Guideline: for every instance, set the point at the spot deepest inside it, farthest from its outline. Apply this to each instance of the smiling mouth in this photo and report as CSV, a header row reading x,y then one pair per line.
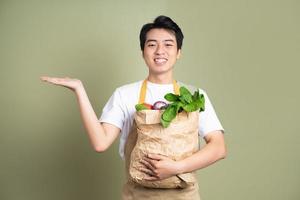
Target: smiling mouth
x,y
160,60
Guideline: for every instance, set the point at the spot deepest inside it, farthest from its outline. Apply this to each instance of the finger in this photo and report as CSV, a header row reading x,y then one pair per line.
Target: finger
x,y
148,165
44,78
157,157
152,162
52,80
150,178
148,172
47,78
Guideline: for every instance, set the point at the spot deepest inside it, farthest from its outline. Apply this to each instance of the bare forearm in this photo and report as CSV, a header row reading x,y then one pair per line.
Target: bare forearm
x,y
161,167
94,129
208,155
101,135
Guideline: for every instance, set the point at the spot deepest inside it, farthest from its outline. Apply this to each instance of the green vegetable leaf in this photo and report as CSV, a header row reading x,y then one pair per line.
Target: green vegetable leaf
x,y
202,106
179,106
191,107
164,123
196,95
170,113
140,107
171,97
200,101
185,95
184,91
182,100
185,101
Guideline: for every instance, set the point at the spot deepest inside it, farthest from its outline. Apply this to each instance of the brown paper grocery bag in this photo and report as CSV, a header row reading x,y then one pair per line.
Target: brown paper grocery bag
x,y
177,141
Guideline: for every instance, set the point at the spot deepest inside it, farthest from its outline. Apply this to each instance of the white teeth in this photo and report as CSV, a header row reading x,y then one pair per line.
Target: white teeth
x,y
160,60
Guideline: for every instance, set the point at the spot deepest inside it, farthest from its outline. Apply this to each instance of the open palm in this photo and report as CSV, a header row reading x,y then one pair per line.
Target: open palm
x,y
67,82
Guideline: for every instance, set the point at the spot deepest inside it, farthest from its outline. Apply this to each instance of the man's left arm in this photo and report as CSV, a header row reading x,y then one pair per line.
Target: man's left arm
x,y
214,150
161,167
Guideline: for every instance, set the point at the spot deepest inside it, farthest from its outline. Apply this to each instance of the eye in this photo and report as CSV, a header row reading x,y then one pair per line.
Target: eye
x,y
169,44
151,45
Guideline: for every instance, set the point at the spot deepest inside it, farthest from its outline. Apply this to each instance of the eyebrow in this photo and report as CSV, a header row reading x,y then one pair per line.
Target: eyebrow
x,y
167,40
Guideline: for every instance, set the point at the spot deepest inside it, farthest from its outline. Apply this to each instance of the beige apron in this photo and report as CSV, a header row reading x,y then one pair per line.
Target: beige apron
x,y
134,191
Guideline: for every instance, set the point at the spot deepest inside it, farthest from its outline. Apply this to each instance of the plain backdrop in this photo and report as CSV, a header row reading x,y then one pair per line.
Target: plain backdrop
x,y
244,54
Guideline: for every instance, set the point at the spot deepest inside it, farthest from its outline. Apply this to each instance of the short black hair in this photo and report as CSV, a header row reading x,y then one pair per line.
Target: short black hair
x,y
163,22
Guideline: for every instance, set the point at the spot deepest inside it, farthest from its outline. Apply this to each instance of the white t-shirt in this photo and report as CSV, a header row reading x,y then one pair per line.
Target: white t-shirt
x,y
120,108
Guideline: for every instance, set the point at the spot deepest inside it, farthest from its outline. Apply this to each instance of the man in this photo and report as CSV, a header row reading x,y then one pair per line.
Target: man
x,y
160,43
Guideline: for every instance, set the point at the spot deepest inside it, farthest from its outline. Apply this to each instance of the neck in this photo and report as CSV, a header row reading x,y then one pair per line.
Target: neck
x,y
161,78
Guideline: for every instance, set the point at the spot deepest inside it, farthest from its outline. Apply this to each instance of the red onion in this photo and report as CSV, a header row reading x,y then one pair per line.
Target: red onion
x,y
159,105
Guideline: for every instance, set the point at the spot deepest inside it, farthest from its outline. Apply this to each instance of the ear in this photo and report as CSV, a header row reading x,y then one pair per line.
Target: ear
x,y
178,53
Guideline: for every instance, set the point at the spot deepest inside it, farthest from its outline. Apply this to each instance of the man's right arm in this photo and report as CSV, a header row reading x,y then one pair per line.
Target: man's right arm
x,y
101,135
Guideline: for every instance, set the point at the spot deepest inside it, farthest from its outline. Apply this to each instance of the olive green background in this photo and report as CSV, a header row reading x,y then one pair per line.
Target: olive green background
x,y
245,54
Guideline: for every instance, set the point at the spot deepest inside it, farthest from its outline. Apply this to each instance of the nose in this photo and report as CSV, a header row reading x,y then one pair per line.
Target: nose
x,y
160,49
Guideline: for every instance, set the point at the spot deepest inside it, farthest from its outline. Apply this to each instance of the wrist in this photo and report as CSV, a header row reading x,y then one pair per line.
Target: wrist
x,y
180,167
79,88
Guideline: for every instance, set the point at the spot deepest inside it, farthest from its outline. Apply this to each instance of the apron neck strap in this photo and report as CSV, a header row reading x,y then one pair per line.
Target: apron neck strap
x,y
144,89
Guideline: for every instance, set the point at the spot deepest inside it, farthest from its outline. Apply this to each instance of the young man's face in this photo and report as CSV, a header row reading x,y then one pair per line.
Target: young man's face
x,y
160,51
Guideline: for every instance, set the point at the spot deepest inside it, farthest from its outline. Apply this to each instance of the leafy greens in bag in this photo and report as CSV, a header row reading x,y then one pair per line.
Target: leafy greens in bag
x,y
185,101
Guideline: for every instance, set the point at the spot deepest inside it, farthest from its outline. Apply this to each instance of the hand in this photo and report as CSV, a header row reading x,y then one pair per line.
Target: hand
x,y
73,84
159,167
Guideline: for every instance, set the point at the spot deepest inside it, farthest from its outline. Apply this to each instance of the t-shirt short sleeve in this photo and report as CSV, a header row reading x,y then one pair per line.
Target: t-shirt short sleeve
x,y
113,112
208,119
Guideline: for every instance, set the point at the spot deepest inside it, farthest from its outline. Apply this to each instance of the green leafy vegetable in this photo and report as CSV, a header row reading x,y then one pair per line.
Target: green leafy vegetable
x,y
171,97
142,106
191,107
164,123
185,95
170,113
185,101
